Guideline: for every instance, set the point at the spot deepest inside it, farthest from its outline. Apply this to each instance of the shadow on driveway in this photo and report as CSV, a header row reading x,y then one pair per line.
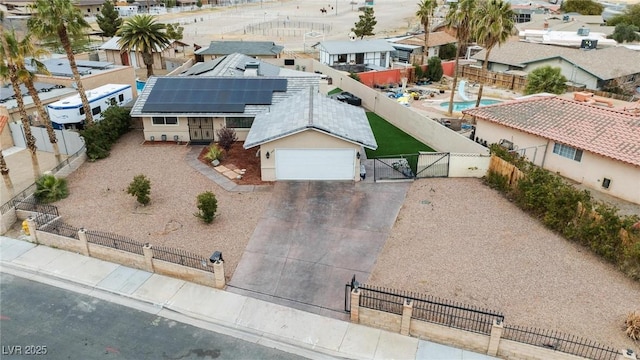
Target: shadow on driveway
x,y
313,237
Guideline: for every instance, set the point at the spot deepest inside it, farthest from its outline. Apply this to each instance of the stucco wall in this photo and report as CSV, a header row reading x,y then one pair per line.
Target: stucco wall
x,y
309,139
529,145
181,129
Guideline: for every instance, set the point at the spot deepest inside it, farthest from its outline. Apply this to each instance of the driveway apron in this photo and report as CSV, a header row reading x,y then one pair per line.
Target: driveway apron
x,y
313,237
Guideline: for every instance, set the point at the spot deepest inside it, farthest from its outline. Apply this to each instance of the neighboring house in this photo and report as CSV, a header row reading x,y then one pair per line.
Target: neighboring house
x,y
574,39
237,91
134,58
595,69
413,47
311,137
141,7
566,23
376,52
255,49
21,7
594,146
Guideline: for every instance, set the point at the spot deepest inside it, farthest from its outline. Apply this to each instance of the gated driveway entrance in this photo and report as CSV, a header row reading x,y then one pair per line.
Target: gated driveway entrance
x,y
314,236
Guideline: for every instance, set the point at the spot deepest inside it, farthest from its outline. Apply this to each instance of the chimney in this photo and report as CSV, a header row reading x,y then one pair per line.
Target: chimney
x,y
251,68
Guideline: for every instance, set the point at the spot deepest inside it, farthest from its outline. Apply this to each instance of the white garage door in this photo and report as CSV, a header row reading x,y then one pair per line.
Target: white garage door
x,y
315,164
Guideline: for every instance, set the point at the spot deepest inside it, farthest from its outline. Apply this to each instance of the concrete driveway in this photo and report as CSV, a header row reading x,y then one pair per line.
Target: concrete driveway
x,y
313,237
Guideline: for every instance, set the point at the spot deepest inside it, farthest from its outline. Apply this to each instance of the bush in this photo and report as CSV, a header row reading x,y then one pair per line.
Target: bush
x,y
208,205
214,153
99,136
419,74
354,76
50,189
434,68
632,325
226,138
140,187
447,51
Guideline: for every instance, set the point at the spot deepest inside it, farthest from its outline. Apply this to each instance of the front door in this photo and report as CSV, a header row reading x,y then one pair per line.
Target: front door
x,y
360,58
201,130
124,57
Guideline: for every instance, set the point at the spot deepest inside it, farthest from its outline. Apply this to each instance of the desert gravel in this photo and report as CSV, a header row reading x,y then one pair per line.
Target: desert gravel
x,y
458,239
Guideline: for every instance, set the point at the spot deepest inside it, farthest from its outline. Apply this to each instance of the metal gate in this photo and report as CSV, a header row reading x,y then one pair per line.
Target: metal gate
x,y
411,166
432,165
200,130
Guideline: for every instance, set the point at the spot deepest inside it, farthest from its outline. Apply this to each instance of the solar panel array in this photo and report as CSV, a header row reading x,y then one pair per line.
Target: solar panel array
x,y
211,95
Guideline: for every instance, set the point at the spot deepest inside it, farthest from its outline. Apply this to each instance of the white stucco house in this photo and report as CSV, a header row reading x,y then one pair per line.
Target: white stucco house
x,y
596,146
375,52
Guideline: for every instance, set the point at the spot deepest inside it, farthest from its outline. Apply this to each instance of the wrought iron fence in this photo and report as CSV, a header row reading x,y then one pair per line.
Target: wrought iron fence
x,y
554,340
114,241
32,204
181,257
57,226
19,197
68,160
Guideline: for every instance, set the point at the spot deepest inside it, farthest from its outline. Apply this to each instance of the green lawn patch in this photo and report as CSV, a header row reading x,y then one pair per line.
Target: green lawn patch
x,y
391,140
334,91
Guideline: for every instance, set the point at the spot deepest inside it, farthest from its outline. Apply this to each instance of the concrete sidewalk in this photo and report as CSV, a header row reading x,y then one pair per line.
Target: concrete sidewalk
x,y
264,323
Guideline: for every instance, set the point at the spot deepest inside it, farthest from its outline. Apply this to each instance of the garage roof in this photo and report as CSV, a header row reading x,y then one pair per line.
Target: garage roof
x,y
310,110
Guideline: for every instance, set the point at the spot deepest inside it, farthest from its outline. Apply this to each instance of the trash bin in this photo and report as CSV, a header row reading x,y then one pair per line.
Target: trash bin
x,y
329,81
363,172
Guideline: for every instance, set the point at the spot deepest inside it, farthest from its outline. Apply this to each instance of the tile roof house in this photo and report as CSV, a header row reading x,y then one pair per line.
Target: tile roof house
x,y
256,49
374,52
595,69
592,145
415,45
301,134
134,58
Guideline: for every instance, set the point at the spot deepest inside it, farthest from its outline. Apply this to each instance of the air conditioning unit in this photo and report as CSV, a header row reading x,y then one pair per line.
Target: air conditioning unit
x,y
163,137
583,31
506,144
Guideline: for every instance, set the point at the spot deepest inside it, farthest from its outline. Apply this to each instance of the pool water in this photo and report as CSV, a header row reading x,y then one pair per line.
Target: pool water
x,y
464,105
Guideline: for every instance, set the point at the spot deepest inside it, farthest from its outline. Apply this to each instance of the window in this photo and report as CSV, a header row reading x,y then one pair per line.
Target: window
x,y
567,151
96,110
239,122
112,101
606,183
159,120
342,58
121,97
82,110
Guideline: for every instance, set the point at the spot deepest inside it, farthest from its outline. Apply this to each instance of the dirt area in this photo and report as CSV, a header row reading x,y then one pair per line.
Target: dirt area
x,y
240,158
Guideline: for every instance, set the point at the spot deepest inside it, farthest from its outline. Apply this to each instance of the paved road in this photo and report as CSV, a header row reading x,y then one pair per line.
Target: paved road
x,y
74,326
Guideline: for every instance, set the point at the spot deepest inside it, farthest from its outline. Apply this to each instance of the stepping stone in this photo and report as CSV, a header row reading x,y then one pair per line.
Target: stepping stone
x,y
230,174
221,169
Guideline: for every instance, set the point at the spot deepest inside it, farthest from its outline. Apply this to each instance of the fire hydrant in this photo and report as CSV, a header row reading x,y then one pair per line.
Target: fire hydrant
x,y
25,227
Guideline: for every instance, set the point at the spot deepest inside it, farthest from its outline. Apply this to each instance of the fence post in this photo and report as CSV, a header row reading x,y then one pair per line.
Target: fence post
x,y
355,305
627,354
82,236
494,340
31,222
147,250
218,275
407,312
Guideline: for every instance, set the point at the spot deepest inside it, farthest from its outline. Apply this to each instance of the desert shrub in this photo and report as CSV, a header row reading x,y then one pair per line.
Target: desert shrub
x,y
418,71
354,76
213,153
632,324
140,187
434,68
207,206
226,138
100,136
447,51
50,189
496,181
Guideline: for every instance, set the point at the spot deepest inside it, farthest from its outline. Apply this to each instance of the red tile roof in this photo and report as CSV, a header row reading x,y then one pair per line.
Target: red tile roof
x,y
3,121
607,132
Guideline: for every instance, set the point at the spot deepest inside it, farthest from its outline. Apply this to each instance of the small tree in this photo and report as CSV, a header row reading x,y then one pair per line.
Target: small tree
x,y
140,187
584,7
174,31
630,16
447,51
546,79
207,206
108,19
226,138
625,33
50,189
434,68
364,27
419,74
199,4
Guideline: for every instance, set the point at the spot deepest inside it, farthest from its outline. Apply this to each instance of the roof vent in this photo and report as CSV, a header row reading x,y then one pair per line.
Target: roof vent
x,y
583,31
251,68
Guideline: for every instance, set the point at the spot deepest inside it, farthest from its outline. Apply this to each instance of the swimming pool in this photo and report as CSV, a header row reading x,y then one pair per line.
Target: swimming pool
x,y
464,105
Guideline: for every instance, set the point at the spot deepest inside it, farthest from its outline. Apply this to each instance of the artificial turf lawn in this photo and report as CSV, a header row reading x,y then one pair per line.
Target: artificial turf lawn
x,y
391,140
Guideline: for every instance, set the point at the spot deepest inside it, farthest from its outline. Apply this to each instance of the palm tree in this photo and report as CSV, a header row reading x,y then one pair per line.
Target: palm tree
x,y
24,50
460,16
494,24
4,171
62,19
142,33
424,14
9,70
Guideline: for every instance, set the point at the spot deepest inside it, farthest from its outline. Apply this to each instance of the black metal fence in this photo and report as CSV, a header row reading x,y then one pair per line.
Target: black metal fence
x,y
411,166
68,160
428,308
30,203
560,342
181,257
114,241
57,227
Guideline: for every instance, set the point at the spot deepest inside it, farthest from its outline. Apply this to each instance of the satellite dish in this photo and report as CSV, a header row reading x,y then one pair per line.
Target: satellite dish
x,y
352,36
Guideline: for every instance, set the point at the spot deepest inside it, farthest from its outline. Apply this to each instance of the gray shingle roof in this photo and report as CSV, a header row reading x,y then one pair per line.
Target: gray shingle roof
x,y
605,64
359,46
309,110
251,48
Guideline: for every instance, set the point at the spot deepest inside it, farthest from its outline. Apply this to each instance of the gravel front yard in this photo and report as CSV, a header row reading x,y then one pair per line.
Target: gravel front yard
x,y
457,239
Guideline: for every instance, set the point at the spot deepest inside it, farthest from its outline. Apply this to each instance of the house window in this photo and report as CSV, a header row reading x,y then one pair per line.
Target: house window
x,y
567,151
160,120
239,122
342,58
112,101
121,97
96,110
82,110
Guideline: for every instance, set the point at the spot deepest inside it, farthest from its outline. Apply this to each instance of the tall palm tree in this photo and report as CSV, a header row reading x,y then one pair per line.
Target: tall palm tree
x,y
424,14
460,16
8,70
4,171
62,19
494,24
142,33
25,49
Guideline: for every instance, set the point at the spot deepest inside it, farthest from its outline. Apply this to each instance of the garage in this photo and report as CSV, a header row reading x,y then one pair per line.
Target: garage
x,y
315,164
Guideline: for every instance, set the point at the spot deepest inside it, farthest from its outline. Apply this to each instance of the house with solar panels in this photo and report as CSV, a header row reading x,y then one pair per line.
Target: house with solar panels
x,y
298,132
598,147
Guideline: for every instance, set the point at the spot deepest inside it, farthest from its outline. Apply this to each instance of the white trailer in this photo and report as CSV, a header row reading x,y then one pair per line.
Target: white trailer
x,y
69,113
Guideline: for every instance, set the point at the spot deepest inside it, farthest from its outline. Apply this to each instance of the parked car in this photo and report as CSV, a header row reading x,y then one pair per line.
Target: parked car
x,y
349,98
